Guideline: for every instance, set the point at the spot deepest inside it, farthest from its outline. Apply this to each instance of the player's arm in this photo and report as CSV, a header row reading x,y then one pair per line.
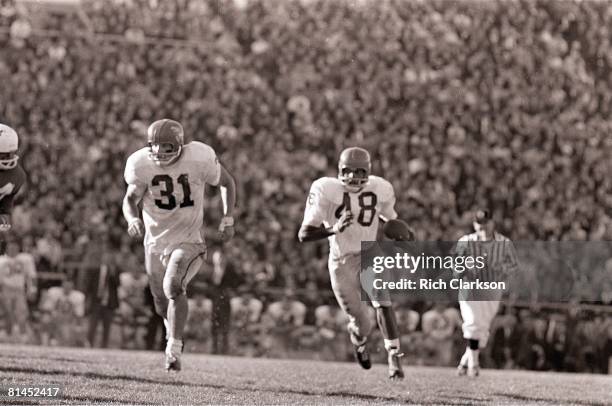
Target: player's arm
x,y
314,233
132,199
314,225
387,211
227,183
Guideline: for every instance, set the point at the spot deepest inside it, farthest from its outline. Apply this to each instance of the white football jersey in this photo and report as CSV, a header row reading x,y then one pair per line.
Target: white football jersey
x,y
173,204
57,300
328,198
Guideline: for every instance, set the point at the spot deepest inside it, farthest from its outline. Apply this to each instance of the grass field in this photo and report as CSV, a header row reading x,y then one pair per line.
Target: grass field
x,y
131,377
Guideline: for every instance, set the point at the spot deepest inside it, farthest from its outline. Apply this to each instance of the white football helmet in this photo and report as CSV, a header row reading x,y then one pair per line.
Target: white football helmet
x,y
9,143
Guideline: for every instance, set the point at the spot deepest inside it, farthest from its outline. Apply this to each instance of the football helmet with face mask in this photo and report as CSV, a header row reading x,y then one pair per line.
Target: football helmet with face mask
x,y
9,143
354,168
165,139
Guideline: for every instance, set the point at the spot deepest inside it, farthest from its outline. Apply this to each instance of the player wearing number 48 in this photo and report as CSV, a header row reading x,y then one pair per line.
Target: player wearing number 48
x,y
346,210
168,177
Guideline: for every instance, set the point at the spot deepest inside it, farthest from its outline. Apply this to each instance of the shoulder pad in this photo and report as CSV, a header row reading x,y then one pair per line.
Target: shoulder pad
x,y
198,150
382,187
135,164
138,159
330,188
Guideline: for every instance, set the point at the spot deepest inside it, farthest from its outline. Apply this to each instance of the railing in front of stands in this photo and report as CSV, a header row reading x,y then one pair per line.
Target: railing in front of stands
x,y
77,271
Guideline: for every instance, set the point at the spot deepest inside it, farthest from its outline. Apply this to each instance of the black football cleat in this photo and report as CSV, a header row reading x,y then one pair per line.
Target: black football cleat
x,y
173,363
361,350
363,356
396,373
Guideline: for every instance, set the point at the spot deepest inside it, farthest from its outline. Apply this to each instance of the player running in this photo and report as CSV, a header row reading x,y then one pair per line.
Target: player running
x,y
168,177
12,176
346,210
501,261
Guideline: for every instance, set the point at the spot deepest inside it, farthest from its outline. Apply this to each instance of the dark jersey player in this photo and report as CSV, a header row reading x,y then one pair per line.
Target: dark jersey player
x,y
12,176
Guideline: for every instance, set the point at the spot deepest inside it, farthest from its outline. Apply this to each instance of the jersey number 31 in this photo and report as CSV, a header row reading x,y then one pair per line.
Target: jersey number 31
x,y
168,200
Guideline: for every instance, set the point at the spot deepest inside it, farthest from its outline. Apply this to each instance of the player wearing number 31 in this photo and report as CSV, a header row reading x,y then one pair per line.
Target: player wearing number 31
x,y
346,210
168,177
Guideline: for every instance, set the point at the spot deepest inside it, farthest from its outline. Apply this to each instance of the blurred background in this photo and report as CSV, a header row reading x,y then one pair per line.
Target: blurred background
x,y
461,103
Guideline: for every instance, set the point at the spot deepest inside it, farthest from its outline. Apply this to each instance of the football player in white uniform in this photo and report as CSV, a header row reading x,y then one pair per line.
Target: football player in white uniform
x,y
168,177
346,210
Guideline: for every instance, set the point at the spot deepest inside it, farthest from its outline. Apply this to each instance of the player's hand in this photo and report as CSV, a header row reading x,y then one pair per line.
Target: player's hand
x,y
226,228
343,222
136,228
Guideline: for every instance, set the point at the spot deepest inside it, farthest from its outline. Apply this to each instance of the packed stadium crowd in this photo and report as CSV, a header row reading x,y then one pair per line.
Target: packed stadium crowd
x,y
503,104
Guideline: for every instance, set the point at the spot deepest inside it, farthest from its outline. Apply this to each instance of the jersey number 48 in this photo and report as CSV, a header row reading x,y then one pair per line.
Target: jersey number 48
x,y
367,207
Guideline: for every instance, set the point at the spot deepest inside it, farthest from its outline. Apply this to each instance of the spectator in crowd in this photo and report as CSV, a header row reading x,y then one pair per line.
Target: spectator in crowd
x,y
556,339
439,325
311,297
133,311
224,278
63,317
408,320
246,311
505,341
331,323
101,292
198,326
282,324
50,252
17,285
